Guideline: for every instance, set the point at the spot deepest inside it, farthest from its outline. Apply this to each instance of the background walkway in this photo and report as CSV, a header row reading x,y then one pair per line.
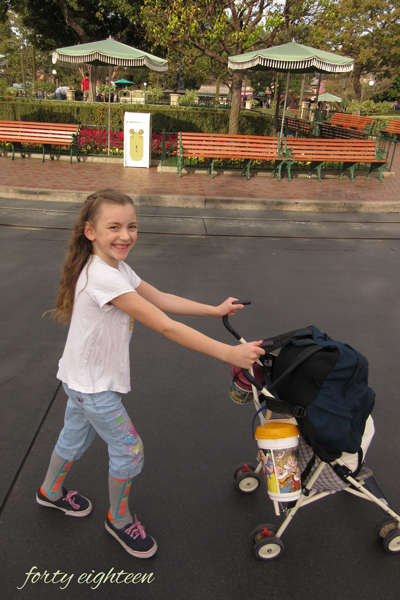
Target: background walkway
x,y
30,177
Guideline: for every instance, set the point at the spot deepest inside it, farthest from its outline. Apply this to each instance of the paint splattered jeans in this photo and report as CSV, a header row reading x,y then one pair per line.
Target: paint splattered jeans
x,y
102,413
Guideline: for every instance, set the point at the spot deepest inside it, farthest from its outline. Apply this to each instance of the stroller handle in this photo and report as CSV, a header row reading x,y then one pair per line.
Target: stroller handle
x,y
228,325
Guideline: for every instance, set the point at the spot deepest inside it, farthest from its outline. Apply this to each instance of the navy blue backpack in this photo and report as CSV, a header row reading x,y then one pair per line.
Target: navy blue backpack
x,y
324,384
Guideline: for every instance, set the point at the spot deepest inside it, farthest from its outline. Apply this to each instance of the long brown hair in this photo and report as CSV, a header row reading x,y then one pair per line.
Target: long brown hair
x,y
80,249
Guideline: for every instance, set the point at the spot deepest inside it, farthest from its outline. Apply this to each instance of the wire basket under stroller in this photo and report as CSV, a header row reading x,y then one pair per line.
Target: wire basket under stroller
x,y
346,473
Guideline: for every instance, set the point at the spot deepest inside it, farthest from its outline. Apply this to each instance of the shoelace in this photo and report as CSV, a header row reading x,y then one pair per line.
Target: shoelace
x,y
135,530
70,498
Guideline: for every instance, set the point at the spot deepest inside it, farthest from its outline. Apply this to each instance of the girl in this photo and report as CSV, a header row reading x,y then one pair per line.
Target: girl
x,y
101,296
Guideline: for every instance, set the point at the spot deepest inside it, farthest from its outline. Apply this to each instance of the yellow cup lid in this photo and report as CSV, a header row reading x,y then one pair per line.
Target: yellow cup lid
x,y
272,431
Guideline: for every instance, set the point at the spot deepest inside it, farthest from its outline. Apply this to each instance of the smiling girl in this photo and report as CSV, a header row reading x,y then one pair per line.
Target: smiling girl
x,y
100,297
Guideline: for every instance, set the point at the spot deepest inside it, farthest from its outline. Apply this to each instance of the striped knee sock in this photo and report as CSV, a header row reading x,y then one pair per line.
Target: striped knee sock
x,y
58,469
119,490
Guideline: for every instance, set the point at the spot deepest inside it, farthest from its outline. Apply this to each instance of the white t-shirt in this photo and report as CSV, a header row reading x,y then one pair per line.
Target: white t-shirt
x,y
96,354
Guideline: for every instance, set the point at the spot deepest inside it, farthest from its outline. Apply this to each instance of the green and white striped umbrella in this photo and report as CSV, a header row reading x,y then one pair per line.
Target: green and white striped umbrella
x,y
292,58
109,52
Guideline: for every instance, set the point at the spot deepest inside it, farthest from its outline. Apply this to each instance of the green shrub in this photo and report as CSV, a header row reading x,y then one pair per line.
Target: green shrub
x,y
164,118
354,107
189,98
154,94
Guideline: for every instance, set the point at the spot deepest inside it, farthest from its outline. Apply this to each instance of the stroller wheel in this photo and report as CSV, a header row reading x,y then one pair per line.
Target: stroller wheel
x,y
391,542
266,530
246,480
385,526
269,548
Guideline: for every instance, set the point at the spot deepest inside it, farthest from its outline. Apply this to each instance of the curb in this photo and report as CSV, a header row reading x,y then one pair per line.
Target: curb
x,y
184,201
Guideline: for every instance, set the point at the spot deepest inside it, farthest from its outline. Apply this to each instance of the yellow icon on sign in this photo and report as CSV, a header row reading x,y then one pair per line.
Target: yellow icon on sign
x,y
136,144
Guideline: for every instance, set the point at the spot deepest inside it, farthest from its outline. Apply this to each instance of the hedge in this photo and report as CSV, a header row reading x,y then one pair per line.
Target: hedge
x,y
164,118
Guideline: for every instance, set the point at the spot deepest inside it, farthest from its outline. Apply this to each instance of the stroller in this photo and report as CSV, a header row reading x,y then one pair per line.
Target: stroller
x,y
320,478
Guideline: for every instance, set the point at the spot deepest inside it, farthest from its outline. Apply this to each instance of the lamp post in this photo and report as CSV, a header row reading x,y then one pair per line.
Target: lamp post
x,y
23,70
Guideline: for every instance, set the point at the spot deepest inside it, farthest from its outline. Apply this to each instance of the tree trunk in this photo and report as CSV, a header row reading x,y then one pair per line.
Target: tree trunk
x,y
357,82
237,78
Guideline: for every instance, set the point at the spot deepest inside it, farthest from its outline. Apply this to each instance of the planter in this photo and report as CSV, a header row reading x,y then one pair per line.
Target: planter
x,y
70,94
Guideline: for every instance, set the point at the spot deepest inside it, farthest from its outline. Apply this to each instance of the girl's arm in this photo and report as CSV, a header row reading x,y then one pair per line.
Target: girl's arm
x,y
176,305
243,355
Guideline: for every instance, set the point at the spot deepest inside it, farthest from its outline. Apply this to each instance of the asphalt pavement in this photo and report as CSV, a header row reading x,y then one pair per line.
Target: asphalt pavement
x,y
337,271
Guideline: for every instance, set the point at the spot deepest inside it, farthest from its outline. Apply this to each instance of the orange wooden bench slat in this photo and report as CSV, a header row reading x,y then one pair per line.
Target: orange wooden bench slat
x,y
36,133
392,127
227,146
355,121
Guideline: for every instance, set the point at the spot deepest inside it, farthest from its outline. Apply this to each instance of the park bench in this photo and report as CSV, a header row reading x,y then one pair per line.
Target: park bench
x,y
46,135
392,128
327,131
298,127
354,121
214,146
348,153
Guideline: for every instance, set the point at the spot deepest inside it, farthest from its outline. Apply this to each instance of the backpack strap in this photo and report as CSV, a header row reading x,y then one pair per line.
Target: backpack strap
x,y
300,358
280,340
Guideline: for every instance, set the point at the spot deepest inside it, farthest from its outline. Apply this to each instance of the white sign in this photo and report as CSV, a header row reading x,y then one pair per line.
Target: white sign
x,y
137,140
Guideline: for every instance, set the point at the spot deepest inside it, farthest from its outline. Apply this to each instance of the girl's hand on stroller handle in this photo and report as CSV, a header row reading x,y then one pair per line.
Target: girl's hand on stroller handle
x,y
240,304
245,355
230,307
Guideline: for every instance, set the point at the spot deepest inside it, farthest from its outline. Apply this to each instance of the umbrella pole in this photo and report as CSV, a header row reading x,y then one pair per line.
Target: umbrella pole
x,y
284,104
109,109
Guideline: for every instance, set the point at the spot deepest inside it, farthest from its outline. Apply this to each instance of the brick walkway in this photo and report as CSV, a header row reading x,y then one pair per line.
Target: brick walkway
x,y
86,177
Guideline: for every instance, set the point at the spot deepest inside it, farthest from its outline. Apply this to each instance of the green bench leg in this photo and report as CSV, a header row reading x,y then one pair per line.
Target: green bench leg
x,y
74,150
246,169
316,166
211,168
288,164
348,167
47,148
16,146
377,167
180,166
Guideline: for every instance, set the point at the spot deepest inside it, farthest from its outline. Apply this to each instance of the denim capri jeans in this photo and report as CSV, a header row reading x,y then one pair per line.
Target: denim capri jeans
x,y
102,413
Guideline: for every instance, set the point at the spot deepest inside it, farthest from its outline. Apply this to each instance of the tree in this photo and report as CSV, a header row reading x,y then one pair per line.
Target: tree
x,y
219,29
366,30
15,45
57,23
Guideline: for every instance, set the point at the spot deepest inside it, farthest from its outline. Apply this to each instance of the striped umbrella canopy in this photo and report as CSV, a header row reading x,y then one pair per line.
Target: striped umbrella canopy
x,y
327,98
292,58
108,52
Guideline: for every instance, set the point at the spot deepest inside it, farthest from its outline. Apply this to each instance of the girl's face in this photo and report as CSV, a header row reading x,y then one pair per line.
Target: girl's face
x,y
114,233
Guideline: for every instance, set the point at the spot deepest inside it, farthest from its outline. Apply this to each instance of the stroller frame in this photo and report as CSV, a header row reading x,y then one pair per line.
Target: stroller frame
x,y
266,538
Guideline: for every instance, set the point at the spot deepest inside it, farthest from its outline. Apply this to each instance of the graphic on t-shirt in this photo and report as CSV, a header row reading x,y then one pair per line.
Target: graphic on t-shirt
x,y
136,144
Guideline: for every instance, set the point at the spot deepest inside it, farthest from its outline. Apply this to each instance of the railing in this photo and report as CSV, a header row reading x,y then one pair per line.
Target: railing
x,y
168,147
93,141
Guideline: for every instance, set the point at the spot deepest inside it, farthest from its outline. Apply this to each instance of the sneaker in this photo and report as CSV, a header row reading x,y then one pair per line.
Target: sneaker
x,y
133,538
70,503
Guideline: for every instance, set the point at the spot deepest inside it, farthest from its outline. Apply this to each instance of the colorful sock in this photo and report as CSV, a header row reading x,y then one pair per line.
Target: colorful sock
x,y
58,469
119,490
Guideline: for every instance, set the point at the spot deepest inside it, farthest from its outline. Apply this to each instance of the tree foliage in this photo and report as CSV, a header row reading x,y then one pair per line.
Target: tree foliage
x,y
219,29
58,23
366,30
